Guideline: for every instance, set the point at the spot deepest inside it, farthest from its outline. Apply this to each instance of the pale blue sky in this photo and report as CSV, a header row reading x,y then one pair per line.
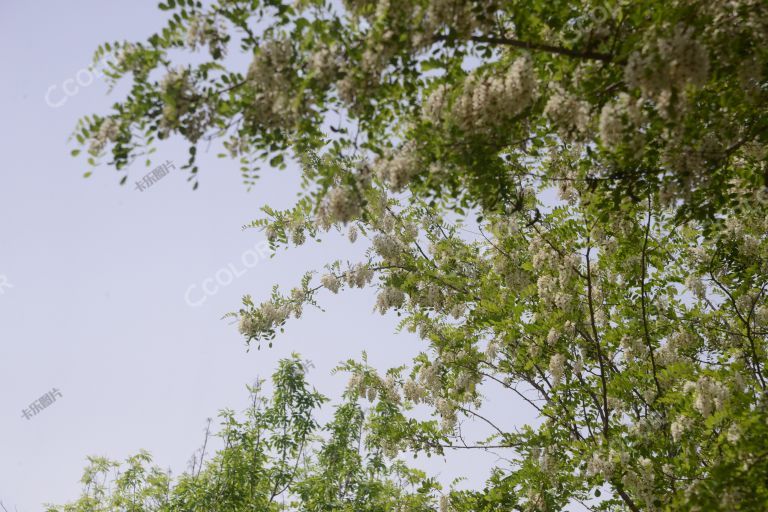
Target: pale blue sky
x,y
99,273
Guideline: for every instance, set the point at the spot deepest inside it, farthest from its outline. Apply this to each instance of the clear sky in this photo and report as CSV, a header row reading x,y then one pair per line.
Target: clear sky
x,y
93,277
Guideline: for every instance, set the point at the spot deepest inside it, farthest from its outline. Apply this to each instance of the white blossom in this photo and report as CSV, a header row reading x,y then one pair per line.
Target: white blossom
x,y
599,465
207,30
341,205
298,235
436,104
557,368
485,101
620,121
352,234
108,132
553,336
397,169
569,114
696,285
447,414
734,433
413,391
668,63
324,64
387,247
359,275
271,73
388,298
429,376
710,395
331,282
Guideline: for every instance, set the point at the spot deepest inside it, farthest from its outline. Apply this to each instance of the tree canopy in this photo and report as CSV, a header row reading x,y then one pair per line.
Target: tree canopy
x,y
566,200
271,460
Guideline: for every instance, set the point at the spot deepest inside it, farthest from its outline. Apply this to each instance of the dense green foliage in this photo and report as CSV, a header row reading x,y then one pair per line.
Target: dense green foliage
x,y
275,458
629,312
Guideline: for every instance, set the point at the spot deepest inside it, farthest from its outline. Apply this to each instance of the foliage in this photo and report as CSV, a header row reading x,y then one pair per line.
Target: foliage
x,y
464,100
566,200
276,458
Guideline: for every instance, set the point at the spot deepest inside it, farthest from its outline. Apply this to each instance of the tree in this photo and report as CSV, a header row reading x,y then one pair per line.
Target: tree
x,y
464,101
275,458
630,312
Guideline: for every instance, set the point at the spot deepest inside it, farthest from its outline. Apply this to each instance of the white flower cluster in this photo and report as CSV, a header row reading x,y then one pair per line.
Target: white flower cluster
x,y
542,255
178,85
389,385
430,376
600,464
378,52
749,245
263,320
431,296
358,386
466,382
445,504
690,160
341,204
569,267
734,433
578,367
552,336
634,348
274,59
569,114
125,56
367,385
462,18
359,275
447,412
331,282
641,479
489,100
108,132
547,287
696,286
492,350
669,352
557,368
679,427
710,396
620,121
761,316
207,30
324,64
668,64
388,298
396,170
271,73
551,294
387,246
436,105
647,426
413,391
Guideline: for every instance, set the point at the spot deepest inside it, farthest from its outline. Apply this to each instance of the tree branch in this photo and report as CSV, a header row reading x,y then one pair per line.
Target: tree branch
x,y
541,47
